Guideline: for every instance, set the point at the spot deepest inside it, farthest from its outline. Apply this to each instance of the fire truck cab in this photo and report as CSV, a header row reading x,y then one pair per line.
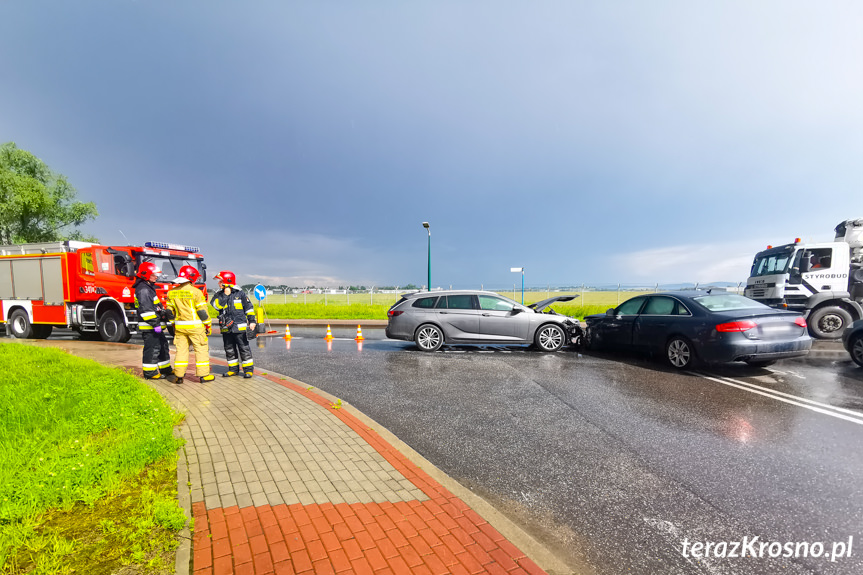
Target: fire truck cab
x,y
83,286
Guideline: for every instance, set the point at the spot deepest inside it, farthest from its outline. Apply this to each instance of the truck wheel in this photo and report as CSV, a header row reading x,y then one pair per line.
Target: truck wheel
x,y
828,322
112,328
19,321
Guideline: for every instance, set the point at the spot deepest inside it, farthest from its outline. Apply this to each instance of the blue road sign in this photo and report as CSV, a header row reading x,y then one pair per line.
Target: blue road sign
x,y
260,292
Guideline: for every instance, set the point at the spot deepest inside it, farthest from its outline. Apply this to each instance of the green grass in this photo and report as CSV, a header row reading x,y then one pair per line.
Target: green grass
x,y
87,467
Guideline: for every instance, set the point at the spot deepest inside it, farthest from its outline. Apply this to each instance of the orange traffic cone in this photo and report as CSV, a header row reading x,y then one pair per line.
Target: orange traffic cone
x,y
329,336
287,331
359,334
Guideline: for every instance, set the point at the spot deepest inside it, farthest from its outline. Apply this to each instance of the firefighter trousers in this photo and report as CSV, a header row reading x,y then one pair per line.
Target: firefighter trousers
x,y
157,357
233,343
198,340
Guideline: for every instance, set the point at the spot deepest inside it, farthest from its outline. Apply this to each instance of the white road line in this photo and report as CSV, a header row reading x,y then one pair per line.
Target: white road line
x,y
838,412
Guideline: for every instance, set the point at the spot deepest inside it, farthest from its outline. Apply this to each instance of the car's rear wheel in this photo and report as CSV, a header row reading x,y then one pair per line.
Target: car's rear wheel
x,y
549,337
828,322
855,348
679,352
429,337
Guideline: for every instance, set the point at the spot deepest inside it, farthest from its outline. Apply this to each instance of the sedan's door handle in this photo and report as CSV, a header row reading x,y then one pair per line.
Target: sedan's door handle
x,y
486,315
443,312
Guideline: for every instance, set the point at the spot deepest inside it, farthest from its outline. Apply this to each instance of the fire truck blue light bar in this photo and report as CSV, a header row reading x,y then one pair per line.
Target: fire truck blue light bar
x,y
164,246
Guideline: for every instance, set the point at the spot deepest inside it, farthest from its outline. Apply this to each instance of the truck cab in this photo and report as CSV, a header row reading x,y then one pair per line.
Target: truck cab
x,y
823,281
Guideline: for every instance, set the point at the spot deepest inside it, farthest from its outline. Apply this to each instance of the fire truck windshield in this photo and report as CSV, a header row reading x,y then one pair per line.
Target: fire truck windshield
x,y
169,266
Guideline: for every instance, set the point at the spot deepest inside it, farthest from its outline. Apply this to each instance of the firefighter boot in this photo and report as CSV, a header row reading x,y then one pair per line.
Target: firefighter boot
x,y
156,376
208,377
229,373
247,375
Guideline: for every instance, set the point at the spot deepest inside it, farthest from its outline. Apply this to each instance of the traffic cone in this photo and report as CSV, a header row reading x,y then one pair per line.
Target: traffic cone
x,y
329,336
359,334
287,331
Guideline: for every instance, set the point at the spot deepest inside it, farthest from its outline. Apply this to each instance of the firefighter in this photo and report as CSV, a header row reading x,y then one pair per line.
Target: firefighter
x,y
156,362
236,317
191,326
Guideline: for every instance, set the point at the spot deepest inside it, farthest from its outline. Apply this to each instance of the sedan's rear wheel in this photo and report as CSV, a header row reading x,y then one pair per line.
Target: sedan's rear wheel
x,y
855,346
429,337
549,337
679,353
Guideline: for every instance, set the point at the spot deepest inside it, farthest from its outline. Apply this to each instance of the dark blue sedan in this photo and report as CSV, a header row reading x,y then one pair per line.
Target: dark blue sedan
x,y
711,326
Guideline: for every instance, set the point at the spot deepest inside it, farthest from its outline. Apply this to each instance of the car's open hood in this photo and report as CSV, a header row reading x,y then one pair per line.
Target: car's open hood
x,y
541,305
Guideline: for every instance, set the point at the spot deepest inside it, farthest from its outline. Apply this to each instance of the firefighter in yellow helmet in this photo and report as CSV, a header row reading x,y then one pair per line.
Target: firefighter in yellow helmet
x,y
191,326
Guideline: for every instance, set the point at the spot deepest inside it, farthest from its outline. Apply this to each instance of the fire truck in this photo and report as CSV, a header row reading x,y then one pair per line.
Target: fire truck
x,y
83,286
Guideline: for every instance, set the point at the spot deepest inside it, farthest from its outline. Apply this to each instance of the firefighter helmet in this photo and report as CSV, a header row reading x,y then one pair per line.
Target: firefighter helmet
x,y
148,271
227,278
187,274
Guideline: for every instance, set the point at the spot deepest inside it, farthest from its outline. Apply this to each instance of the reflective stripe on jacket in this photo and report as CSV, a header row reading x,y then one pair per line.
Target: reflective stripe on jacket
x,y
189,307
149,306
235,306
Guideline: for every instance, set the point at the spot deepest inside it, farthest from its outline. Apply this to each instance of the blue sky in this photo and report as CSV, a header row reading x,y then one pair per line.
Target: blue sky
x,y
305,142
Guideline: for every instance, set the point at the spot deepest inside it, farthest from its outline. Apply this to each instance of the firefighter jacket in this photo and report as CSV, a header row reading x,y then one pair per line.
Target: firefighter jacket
x,y
190,309
150,310
234,307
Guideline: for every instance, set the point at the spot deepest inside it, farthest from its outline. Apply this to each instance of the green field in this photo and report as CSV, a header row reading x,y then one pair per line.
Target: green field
x,y
375,306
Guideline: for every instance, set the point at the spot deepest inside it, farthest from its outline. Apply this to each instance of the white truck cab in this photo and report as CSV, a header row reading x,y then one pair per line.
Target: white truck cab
x,y
823,281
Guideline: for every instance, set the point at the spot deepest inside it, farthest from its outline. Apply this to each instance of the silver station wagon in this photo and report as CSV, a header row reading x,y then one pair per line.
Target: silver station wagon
x,y
432,319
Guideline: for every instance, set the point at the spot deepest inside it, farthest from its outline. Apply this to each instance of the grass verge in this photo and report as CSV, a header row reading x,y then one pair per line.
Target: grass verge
x,y
87,468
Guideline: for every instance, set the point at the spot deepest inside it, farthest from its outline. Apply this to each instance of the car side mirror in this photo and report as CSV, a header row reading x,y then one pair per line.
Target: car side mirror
x,y
516,310
610,312
805,265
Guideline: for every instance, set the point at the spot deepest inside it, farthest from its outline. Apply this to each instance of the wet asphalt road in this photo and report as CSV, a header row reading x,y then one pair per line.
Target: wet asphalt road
x,y
613,461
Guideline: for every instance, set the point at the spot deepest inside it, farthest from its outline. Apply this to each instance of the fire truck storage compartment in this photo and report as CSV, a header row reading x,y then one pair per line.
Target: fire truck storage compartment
x,y
32,279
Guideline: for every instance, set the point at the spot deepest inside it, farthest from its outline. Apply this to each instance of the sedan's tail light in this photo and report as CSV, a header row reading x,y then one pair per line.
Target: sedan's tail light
x,y
800,321
741,325
394,313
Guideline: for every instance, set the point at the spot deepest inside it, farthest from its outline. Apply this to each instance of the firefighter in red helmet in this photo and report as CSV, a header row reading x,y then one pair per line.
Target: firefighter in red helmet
x,y
156,361
236,317
191,325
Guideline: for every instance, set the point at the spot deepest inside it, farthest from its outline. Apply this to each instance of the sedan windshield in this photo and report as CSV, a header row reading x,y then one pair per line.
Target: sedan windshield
x,y
728,302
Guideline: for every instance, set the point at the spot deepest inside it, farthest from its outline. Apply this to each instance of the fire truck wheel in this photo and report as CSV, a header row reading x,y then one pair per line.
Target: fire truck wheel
x,y
112,328
20,324
828,322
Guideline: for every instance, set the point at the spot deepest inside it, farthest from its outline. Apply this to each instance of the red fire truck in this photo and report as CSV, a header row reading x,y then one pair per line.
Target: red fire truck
x,y
82,286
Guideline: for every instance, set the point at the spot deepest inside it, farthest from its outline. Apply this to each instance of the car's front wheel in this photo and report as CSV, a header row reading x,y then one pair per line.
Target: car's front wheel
x,y
855,347
679,353
549,337
429,337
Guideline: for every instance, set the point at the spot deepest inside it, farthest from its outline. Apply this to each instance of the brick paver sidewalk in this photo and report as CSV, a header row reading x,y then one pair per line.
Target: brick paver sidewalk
x,y
284,481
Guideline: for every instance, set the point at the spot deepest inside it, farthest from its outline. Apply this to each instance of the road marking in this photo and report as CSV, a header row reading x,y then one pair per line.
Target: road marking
x,y
838,412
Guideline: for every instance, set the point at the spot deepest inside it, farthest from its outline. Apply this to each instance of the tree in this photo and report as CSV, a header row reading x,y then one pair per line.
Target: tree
x,y
37,205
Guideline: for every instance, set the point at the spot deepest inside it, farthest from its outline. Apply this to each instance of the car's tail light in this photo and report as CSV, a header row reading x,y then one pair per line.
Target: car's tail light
x,y
741,325
394,313
800,321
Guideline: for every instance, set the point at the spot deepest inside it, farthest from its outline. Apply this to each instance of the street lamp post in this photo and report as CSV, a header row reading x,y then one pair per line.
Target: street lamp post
x,y
522,281
427,227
